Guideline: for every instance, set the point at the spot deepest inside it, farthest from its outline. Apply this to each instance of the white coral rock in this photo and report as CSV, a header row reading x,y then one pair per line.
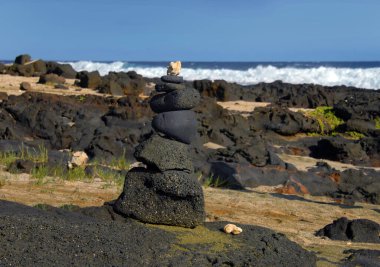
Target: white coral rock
x,y
232,229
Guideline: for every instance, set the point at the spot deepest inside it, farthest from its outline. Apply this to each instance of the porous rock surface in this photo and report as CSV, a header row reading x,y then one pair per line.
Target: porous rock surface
x,y
98,237
171,197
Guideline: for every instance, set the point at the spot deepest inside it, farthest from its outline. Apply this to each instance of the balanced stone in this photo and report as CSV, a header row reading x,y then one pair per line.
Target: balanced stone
x,y
164,154
172,79
168,87
175,100
171,197
179,125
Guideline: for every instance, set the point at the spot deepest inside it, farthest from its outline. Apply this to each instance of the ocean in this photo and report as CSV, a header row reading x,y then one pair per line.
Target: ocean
x,y
358,74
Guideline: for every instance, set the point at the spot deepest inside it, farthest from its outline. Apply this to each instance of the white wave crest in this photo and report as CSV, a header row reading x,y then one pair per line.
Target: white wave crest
x,y
368,78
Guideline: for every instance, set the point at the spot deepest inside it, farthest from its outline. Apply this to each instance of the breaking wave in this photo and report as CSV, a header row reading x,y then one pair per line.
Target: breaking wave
x,y
368,78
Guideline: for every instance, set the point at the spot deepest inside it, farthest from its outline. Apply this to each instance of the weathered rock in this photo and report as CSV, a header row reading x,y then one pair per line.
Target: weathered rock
x,y
51,78
64,70
179,125
339,149
121,242
360,230
89,79
22,59
25,86
2,68
175,100
174,68
362,257
168,87
164,154
122,83
171,197
172,79
38,67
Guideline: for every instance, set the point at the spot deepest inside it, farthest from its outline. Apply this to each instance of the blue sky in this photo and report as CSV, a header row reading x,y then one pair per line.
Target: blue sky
x,y
218,30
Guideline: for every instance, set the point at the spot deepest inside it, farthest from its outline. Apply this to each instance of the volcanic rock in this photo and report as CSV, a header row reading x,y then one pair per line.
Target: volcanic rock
x,y
89,79
360,230
64,70
22,59
171,197
179,125
2,68
172,79
175,100
51,78
164,154
168,87
25,86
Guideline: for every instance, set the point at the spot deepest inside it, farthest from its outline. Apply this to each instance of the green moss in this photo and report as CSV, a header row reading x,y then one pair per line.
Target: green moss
x,y
377,123
326,118
199,238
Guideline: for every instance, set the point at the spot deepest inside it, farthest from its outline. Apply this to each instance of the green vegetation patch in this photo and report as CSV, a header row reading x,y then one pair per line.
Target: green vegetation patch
x,y
326,118
377,123
198,238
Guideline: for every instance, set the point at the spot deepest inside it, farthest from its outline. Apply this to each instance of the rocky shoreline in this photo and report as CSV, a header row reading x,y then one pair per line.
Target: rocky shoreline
x,y
341,124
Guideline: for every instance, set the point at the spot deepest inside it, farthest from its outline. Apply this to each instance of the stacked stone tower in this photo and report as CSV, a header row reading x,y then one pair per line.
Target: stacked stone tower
x,y
167,191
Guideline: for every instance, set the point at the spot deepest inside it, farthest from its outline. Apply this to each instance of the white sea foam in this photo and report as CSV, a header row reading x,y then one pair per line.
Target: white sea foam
x,y
368,78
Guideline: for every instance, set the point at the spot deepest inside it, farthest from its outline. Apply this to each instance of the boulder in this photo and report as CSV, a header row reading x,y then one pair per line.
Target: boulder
x,y
170,197
22,59
25,86
64,70
172,79
122,83
178,125
2,68
168,87
359,230
89,79
175,100
39,67
164,154
339,149
51,78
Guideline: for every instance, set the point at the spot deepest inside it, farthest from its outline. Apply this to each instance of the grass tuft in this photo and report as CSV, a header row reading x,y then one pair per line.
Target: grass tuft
x,y
377,123
326,118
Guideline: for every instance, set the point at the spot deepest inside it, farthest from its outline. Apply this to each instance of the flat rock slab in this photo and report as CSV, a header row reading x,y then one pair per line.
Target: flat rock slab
x,y
176,100
172,198
172,79
179,125
164,154
168,87
33,237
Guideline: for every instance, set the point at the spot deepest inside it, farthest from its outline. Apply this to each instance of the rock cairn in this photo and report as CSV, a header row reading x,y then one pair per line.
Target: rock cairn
x,y
166,191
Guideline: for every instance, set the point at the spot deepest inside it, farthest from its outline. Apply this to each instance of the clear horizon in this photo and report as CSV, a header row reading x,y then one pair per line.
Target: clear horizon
x,y
200,31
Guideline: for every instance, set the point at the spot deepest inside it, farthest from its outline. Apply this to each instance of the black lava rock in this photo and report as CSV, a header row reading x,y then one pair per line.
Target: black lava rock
x,y
64,70
89,79
172,79
362,257
175,100
164,154
22,59
360,230
51,78
168,87
125,242
179,125
172,197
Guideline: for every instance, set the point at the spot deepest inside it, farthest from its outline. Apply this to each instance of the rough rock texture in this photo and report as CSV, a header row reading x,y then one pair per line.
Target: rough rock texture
x,y
175,100
179,125
362,257
164,154
22,59
122,83
172,79
89,79
64,70
51,78
168,87
58,237
360,230
171,197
